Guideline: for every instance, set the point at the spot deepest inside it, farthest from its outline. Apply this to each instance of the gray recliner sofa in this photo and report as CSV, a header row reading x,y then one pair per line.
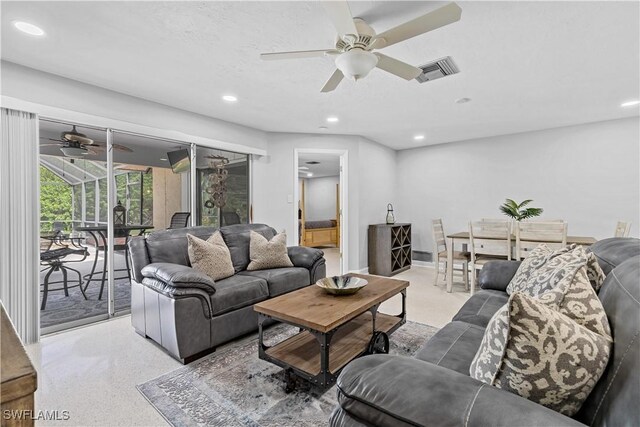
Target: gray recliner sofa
x,y
189,314
435,389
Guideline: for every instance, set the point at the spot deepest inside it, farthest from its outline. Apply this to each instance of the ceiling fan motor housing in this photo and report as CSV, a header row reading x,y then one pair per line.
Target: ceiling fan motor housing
x,y
356,63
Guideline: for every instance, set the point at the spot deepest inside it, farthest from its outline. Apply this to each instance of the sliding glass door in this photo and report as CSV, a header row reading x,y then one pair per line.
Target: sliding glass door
x,y
73,201
93,201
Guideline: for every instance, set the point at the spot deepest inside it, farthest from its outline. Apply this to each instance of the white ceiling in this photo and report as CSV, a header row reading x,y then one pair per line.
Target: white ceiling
x,y
525,65
328,165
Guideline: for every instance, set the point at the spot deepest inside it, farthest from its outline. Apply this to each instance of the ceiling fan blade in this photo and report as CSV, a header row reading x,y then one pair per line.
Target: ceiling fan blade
x,y
340,15
50,145
117,147
297,54
333,81
62,141
399,68
435,19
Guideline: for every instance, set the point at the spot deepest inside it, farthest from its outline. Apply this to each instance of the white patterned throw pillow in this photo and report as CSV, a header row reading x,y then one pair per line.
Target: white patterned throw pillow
x,y
578,300
536,352
266,254
211,256
544,269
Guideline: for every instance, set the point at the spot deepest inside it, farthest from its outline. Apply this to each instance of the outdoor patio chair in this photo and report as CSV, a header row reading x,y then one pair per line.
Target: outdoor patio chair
x,y
180,220
55,260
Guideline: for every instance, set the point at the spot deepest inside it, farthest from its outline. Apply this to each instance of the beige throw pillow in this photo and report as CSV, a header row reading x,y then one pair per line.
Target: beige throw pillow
x,y
534,351
211,256
265,254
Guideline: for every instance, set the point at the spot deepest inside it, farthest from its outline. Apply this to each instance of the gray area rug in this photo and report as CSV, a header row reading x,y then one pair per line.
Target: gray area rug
x,y
232,387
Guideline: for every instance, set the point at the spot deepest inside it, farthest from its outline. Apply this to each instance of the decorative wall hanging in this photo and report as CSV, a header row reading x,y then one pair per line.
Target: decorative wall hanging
x,y
217,189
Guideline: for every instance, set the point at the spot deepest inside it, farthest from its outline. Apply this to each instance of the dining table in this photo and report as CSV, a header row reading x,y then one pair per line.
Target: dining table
x,y
462,238
99,234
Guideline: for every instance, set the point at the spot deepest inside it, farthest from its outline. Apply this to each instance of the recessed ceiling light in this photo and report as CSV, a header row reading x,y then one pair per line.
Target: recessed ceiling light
x,y
163,159
332,119
630,103
418,137
303,168
309,174
323,127
230,98
28,28
462,100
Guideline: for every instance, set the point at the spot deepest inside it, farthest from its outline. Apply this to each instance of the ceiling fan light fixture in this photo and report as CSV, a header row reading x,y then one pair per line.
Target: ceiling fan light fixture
x,y
356,63
74,151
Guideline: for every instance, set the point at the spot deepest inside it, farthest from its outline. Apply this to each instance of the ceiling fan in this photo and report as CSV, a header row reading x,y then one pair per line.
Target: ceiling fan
x,y
75,144
356,40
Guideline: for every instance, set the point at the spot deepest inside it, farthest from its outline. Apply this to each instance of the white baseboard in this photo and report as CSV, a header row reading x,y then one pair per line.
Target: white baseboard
x,y
421,264
427,264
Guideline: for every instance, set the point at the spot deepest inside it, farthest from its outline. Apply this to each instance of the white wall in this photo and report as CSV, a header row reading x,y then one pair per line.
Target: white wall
x,y
47,89
320,198
588,175
378,178
273,184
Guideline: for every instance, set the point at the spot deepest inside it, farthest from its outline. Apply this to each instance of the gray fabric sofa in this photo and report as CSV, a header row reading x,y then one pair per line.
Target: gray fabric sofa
x,y
435,389
187,313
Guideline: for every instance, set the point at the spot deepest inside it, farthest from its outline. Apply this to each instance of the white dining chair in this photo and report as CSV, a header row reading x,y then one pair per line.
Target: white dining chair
x,y
490,240
440,255
530,234
622,229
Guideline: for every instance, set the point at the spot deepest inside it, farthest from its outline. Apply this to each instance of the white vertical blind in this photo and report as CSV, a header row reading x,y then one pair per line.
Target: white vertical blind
x,y
19,222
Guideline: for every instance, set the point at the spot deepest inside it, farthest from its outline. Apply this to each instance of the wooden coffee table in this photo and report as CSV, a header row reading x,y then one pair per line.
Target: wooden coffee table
x,y
334,330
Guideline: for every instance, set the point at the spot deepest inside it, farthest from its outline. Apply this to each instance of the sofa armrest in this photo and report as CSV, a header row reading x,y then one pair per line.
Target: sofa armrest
x,y
385,390
179,276
497,274
302,256
310,258
139,256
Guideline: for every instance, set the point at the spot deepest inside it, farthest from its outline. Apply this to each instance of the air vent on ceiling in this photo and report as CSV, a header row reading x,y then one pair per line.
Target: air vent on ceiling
x,y
437,69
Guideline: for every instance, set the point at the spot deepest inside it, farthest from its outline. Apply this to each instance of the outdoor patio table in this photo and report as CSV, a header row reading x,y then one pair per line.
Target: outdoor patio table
x,y
99,234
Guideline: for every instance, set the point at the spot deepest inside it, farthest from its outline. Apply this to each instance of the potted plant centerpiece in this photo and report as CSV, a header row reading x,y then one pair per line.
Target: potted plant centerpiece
x,y
519,211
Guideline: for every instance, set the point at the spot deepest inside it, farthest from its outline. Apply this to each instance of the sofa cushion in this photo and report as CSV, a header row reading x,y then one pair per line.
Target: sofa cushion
x,y
614,400
210,256
453,346
482,305
237,238
236,292
614,251
282,280
266,253
540,354
171,245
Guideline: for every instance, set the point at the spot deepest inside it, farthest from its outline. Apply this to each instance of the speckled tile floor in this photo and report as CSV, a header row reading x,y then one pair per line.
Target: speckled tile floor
x,y
92,371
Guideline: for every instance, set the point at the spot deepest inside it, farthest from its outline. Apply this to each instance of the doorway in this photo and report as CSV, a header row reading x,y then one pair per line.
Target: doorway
x,y
320,207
